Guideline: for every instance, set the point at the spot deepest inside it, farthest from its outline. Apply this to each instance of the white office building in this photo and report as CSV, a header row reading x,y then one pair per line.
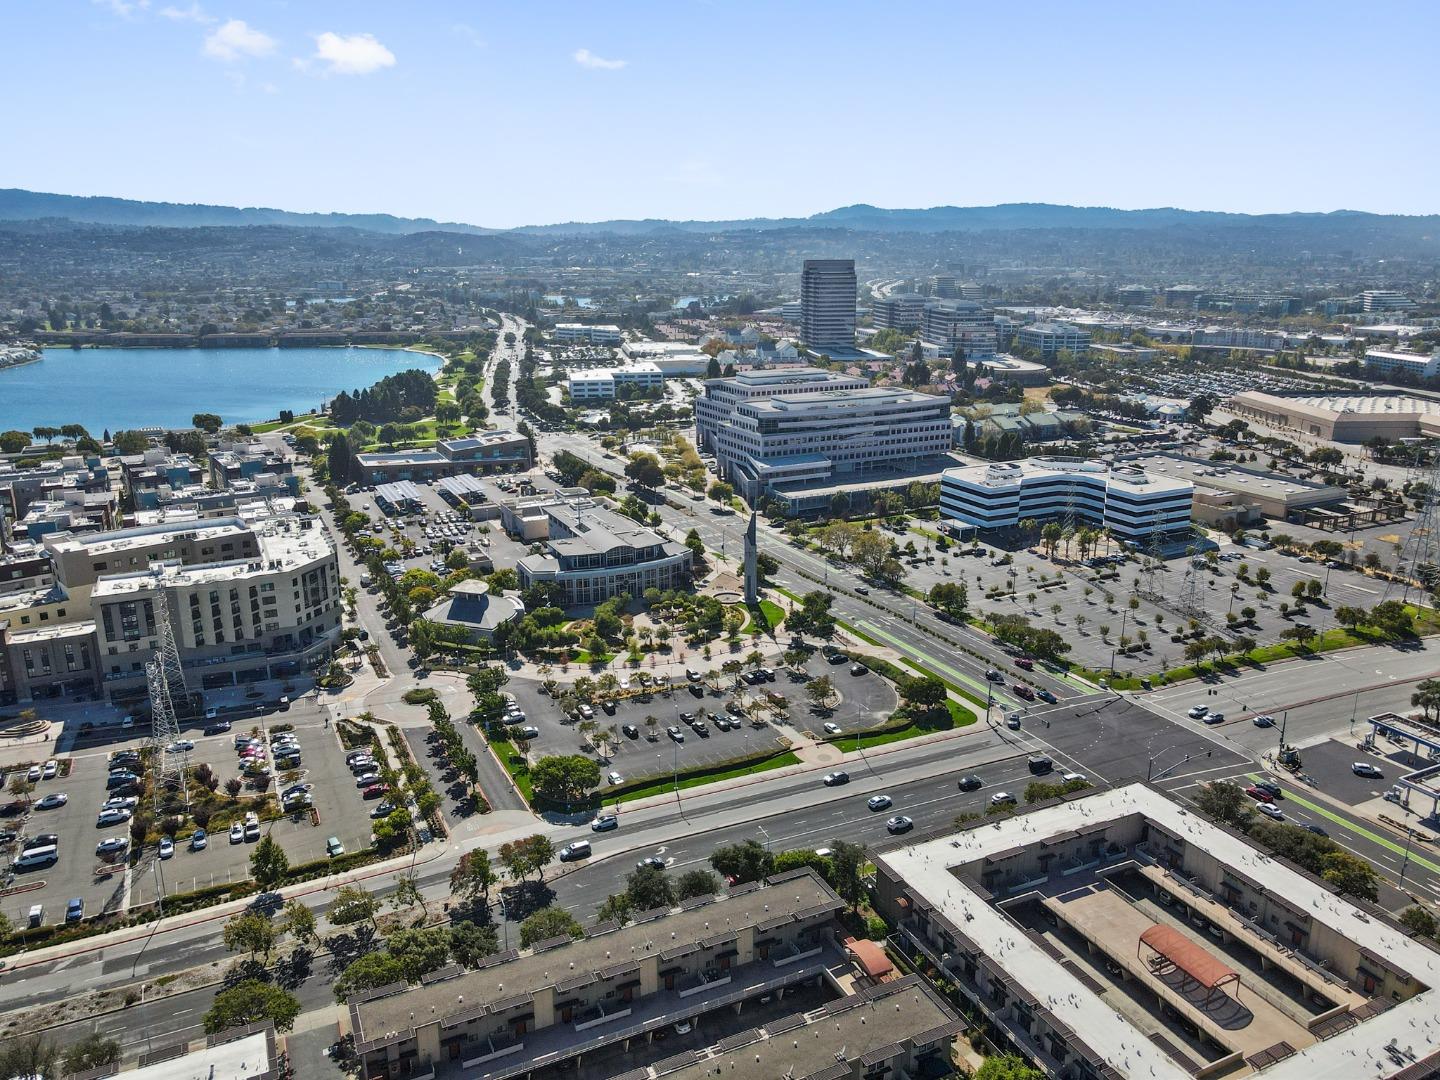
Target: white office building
x,y
899,311
948,323
1132,503
827,304
1386,362
715,408
587,334
818,438
1385,300
604,384
1049,338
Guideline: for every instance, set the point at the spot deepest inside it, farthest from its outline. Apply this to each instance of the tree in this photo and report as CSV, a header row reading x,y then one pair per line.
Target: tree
x,y
268,863
91,1052
617,908
549,922
926,691
251,1002
529,855
408,895
298,921
337,458
813,616
564,778
474,876
1392,618
131,442
1224,802
471,943
251,932
12,442
950,598
353,904
420,950
870,551
648,888
207,422
846,862
1418,921
821,692
695,883
745,861
368,972
645,470
1007,1067
27,1057
1350,875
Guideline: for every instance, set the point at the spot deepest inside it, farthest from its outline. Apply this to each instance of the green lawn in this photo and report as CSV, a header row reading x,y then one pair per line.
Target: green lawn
x,y
514,765
582,656
707,776
771,612
959,717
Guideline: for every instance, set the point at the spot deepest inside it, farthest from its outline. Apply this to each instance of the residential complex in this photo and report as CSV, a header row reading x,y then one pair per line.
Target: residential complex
x,y
1130,502
483,452
592,554
1386,362
827,303
1049,338
1120,934
604,384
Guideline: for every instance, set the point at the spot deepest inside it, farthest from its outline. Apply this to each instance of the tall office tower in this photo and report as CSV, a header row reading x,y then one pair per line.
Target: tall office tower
x,y
827,304
943,287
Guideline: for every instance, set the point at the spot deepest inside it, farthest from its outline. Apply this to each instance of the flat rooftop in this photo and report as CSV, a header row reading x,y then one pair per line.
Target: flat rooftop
x,y
931,870
243,1058
285,544
841,399
1226,476
1356,404
121,540
1008,474
525,975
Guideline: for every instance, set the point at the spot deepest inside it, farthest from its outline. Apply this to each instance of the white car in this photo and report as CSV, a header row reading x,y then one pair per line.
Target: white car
x,y
237,833
50,802
167,847
1365,768
113,816
120,802
111,844
1072,777
1002,798
34,774
180,746
1197,711
878,802
1264,720
832,728
50,769
615,778
1271,811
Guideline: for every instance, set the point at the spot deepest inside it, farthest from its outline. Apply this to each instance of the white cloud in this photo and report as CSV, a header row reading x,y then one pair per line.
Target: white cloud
x,y
586,59
123,8
194,13
465,30
353,54
235,40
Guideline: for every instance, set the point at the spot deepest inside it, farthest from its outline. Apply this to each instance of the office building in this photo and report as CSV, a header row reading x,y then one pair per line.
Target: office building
x,y
791,312
1016,372
943,286
827,303
816,438
950,323
605,384
716,406
1385,300
1120,934
1386,363
481,453
1049,338
899,311
543,1010
592,554
1135,295
587,334
1227,492
1128,501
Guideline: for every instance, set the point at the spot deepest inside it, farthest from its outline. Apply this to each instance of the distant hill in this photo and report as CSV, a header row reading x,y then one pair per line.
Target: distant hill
x,y
19,205
16,204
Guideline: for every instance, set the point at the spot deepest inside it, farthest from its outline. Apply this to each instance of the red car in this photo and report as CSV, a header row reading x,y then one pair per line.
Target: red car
x,y
1023,692
1259,794
1025,662
374,791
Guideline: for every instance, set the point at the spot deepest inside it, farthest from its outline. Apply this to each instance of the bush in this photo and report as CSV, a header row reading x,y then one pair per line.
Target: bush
x,y
420,695
876,928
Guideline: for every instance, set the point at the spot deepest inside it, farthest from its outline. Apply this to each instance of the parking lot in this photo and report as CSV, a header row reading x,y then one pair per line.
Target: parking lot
x,y
106,885
1329,763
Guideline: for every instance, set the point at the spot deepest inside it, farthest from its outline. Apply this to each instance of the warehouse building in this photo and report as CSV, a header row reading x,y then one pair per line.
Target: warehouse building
x,y
1347,418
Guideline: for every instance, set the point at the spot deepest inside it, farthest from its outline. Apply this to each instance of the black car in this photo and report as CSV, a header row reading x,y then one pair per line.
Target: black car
x,y
836,778
218,728
1045,695
1316,829
631,731
970,783
43,840
837,658
1040,763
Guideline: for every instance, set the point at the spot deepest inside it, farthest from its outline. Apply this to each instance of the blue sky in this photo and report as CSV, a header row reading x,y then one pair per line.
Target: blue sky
x,y
502,113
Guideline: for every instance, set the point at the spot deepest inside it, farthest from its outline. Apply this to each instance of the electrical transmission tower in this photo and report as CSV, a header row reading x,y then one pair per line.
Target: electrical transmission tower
x,y
1419,564
1149,584
166,681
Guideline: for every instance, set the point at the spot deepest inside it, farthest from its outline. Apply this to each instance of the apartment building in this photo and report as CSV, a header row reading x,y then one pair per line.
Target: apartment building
x,y
547,1007
946,324
827,304
606,384
143,475
1049,338
593,554
818,437
587,334
1133,504
716,406
255,463
1387,362
482,453
898,311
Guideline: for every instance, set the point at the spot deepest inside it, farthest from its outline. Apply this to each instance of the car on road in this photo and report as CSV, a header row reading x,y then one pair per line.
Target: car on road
x,y
899,823
219,727
199,841
859,669
675,733
878,802
576,849
1025,663
237,833
1022,691
1013,721
1040,763
1047,696
1271,811
52,801
836,778
167,847
1367,769
831,728
970,782
995,676
111,844
1316,829
1273,788
651,862
1214,718
1002,798
605,823
1197,711
1259,794
692,675
1263,720
180,746
113,816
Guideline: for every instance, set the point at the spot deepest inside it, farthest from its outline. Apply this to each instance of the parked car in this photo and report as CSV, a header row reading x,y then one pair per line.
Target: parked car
x,y
52,801
113,816
237,833
111,844
333,847
199,841
167,847
831,728
858,669
1367,769
75,910
374,791
614,778
675,733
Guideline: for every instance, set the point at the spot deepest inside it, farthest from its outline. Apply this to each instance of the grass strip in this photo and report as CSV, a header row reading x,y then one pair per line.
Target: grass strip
x,y
700,777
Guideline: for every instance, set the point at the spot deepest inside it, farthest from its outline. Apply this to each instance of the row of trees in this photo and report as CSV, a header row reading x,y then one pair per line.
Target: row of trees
x,y
406,396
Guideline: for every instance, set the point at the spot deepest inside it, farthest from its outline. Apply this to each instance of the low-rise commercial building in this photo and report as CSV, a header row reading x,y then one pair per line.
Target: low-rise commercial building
x,y
1050,338
587,333
1256,493
1120,934
471,607
543,1009
1132,503
1348,418
592,554
482,453
1017,372
604,384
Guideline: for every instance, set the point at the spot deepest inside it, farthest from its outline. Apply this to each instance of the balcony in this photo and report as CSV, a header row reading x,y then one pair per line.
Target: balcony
x,y
492,1048
702,981
596,1015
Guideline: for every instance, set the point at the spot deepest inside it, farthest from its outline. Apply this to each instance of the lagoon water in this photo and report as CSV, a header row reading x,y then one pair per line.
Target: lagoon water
x,y
118,389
